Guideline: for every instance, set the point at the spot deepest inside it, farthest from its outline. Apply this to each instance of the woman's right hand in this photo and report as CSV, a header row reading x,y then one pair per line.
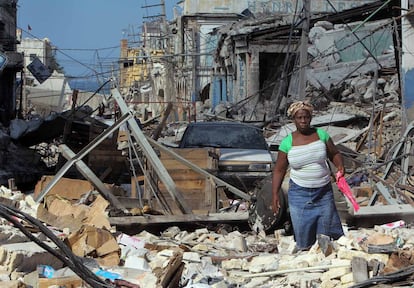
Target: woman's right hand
x,y
275,203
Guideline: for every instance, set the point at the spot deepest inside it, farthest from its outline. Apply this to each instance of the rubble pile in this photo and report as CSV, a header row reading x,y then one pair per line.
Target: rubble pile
x,y
18,162
220,257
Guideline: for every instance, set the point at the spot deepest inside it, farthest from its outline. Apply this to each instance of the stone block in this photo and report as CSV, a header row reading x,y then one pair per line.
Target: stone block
x,y
232,264
237,243
12,284
347,279
335,273
330,283
171,232
4,276
303,279
201,247
136,263
191,257
349,254
25,257
263,263
256,282
221,284
9,235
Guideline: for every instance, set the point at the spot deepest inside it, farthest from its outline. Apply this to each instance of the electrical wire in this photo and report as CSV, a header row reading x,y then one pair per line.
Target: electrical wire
x,y
74,60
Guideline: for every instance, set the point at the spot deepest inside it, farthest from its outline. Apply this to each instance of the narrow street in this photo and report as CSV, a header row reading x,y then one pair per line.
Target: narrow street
x,y
164,175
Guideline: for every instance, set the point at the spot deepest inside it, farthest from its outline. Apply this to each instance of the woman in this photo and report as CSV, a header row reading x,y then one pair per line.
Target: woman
x,y
311,201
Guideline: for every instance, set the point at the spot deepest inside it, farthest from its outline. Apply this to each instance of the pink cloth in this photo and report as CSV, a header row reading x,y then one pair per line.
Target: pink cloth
x,y
346,190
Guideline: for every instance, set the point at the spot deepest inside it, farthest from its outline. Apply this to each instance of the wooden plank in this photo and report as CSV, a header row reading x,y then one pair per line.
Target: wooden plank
x,y
170,270
122,136
198,156
134,182
187,185
231,188
210,194
194,198
171,164
192,184
178,175
379,210
67,282
158,130
160,219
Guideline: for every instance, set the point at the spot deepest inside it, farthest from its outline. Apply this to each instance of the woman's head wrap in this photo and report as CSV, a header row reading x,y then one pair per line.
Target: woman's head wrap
x,y
299,105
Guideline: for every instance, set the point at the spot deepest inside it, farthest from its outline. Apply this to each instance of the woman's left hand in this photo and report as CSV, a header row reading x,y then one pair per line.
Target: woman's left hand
x,y
340,172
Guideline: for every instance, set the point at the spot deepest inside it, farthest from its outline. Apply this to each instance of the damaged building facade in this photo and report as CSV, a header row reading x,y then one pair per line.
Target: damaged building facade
x,y
234,51
247,53
46,89
11,60
257,61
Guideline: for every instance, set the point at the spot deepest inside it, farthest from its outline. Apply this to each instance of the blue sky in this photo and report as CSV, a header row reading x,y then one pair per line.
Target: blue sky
x,y
86,32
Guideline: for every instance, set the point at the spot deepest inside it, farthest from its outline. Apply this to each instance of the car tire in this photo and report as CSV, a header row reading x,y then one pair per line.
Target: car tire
x,y
261,215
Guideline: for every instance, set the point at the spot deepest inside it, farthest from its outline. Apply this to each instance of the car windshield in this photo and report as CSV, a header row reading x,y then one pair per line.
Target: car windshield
x,y
225,136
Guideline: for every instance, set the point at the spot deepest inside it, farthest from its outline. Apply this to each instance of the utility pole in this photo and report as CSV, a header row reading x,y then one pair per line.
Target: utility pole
x,y
169,88
304,49
169,91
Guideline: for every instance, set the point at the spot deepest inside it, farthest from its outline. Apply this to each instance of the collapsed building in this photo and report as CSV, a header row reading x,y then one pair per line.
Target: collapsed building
x,y
341,46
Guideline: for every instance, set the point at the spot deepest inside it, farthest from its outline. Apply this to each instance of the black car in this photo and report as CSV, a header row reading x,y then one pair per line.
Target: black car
x,y
244,155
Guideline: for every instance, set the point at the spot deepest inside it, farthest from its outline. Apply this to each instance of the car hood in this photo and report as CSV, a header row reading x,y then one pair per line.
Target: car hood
x,y
250,155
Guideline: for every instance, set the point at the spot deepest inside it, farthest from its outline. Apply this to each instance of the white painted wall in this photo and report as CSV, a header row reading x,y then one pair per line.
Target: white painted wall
x,y
264,6
41,48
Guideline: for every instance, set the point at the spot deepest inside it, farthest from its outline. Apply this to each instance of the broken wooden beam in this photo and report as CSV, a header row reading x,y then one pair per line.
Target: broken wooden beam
x,y
151,155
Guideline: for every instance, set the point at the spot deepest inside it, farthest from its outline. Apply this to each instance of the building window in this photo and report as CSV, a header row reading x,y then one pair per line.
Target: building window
x,y
128,63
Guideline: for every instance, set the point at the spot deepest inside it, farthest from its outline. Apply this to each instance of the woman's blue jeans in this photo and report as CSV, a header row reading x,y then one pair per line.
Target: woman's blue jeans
x,y
313,212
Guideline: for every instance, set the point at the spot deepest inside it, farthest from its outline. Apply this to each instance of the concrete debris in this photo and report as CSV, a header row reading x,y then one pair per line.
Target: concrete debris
x,y
26,257
212,258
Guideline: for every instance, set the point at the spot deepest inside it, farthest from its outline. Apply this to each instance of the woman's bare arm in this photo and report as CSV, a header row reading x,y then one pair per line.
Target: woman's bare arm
x,y
335,156
279,172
